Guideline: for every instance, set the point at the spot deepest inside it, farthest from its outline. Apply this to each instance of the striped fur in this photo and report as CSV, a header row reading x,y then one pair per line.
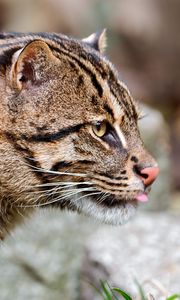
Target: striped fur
x,y
53,90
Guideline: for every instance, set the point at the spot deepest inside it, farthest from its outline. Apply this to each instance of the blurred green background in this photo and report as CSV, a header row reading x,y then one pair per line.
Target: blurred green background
x,y
144,44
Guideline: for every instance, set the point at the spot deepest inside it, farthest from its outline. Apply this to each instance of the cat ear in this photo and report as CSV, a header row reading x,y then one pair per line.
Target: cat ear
x,y
29,63
97,40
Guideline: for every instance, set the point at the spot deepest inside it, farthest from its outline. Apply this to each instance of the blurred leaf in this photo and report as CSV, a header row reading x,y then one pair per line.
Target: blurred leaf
x,y
122,293
106,290
140,290
173,297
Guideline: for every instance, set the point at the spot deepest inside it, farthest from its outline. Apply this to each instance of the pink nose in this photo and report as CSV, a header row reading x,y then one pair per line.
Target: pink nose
x,y
148,175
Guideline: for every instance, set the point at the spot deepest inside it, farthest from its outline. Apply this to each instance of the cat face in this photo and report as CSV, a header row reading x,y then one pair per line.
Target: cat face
x,y
74,127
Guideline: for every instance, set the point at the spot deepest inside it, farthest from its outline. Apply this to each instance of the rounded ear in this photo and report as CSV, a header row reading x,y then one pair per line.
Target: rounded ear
x,y
97,40
28,64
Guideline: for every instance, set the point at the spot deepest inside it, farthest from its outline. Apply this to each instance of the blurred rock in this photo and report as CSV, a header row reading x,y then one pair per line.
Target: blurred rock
x,y
155,134
146,249
42,259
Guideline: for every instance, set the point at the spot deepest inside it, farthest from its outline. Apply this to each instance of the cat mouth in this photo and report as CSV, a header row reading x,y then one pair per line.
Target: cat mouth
x,y
110,208
120,194
142,197
113,200
107,207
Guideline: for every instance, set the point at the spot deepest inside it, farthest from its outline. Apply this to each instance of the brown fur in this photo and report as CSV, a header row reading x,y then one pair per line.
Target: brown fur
x,y
53,89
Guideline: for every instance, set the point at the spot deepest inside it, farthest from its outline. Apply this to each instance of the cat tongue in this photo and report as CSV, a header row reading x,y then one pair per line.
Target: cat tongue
x,y
142,197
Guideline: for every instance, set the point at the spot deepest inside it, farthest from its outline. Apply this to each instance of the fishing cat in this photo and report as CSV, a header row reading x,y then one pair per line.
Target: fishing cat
x,y
69,136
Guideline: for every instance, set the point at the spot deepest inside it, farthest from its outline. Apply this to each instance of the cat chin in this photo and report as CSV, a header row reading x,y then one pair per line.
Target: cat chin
x,y
116,215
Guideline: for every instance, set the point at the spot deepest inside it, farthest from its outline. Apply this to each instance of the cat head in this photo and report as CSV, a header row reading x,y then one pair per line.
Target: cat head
x,y
74,127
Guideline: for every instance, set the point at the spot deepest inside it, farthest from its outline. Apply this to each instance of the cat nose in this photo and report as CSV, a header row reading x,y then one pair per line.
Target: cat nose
x,y
148,174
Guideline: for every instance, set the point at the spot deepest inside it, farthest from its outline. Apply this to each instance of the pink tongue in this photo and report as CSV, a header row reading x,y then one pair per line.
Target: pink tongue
x,y
142,198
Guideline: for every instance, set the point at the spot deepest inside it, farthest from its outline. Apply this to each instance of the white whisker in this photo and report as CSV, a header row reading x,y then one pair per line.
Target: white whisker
x,y
77,192
103,197
37,169
65,183
91,194
69,193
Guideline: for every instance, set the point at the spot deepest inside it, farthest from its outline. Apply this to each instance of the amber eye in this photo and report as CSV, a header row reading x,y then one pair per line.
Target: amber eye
x,y
100,129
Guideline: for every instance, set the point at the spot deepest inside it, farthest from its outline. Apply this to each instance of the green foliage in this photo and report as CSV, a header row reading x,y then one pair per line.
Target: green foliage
x,y
122,293
174,297
109,293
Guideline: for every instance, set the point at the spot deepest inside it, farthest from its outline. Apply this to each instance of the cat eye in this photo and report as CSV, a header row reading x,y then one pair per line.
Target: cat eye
x,y
100,129
107,133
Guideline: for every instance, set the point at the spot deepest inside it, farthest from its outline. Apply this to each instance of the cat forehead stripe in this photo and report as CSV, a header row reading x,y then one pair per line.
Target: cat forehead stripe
x,y
114,104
